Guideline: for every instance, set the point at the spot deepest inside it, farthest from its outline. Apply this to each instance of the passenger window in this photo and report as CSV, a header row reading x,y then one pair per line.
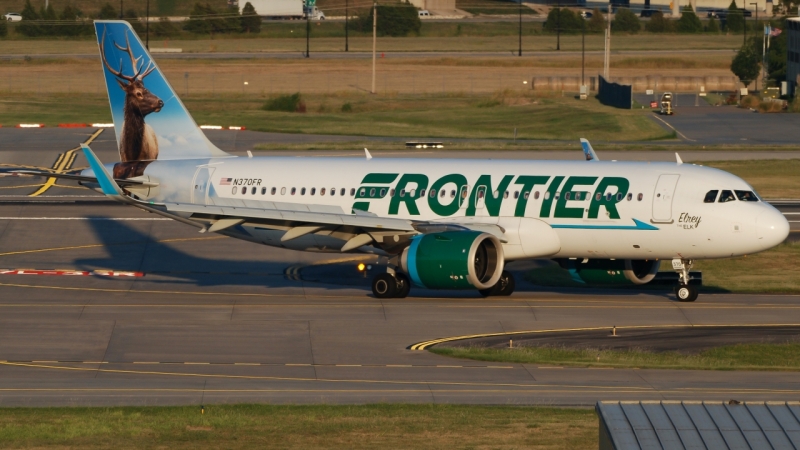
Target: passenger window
x,y
598,196
402,192
413,193
322,191
495,194
527,194
263,191
746,196
432,194
313,191
303,191
283,191
272,192
452,194
536,195
421,193
726,196
391,192
234,190
442,193
383,192
372,193
558,195
505,194
639,197
333,191
481,194
567,195
244,191
619,196
630,196
253,191
352,192
711,196
362,192
547,195
516,194
608,197
342,192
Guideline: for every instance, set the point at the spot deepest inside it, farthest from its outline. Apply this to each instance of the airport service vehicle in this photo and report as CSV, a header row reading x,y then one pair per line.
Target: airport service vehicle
x,y
433,223
13,17
284,9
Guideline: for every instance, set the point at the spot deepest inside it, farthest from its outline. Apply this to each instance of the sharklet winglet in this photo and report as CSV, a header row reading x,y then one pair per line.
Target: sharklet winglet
x,y
107,183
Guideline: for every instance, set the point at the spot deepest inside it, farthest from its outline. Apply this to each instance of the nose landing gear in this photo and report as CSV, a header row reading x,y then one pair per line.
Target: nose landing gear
x,y
683,291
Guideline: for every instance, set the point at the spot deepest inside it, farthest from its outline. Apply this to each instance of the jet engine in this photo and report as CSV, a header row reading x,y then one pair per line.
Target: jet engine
x,y
454,260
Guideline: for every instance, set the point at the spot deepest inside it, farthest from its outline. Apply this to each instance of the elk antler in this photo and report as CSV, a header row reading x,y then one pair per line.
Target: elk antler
x,y
137,68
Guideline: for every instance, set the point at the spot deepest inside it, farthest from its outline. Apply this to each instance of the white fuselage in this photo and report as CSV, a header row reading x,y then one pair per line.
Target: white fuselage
x,y
625,210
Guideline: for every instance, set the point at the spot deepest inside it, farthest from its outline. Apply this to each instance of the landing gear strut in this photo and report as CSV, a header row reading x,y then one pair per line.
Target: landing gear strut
x,y
387,285
504,287
683,291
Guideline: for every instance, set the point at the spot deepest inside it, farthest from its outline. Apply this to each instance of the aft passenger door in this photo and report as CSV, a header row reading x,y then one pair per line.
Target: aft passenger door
x,y
662,198
201,186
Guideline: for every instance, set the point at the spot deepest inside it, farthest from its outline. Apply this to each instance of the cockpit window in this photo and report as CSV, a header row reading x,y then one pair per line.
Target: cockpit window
x,y
726,196
746,196
711,196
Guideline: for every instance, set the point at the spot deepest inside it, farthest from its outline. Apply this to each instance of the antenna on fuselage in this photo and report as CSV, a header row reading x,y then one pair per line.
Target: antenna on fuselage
x,y
367,154
678,157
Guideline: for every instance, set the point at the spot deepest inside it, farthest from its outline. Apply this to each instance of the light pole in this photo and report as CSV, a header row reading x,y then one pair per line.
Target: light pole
x,y
558,27
520,28
120,9
147,26
583,51
308,32
755,7
346,33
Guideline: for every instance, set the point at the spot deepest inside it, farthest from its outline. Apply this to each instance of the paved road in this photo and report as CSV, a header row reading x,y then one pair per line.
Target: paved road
x,y
216,320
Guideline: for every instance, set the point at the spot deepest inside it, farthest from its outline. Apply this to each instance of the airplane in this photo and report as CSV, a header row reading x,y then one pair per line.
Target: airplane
x,y
433,223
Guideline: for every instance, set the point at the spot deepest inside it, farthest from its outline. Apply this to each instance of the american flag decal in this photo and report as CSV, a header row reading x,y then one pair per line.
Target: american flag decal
x,y
225,181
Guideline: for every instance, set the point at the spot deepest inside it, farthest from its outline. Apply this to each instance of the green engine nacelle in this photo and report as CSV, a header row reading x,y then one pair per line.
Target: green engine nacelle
x,y
454,260
611,271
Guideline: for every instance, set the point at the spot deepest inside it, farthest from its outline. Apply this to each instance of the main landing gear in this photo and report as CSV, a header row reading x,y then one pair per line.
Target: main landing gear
x,y
683,291
387,285
504,287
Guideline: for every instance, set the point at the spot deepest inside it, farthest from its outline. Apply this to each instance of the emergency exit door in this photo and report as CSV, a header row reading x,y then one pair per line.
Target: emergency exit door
x,y
662,198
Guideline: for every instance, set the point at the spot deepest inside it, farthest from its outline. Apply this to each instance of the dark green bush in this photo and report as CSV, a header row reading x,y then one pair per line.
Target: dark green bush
x,y
713,26
347,107
597,23
393,20
285,103
564,19
660,24
3,28
626,21
689,22
734,22
206,20
251,22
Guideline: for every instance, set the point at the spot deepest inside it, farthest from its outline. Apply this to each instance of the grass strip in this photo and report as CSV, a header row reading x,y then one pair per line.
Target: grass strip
x,y
288,427
731,357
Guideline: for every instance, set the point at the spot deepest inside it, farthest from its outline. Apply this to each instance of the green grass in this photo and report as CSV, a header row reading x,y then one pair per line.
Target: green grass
x,y
300,427
730,357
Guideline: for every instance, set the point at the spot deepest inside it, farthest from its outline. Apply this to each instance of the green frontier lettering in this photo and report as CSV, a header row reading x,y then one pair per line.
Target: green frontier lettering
x,y
368,192
608,202
528,182
492,202
549,196
420,183
434,202
562,212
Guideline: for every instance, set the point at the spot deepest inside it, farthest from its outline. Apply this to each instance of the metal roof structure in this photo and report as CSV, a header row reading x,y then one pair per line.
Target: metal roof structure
x,y
699,425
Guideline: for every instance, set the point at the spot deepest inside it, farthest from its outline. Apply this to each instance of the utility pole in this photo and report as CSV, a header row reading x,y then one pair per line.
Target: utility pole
x,y
346,33
308,32
374,40
520,28
147,26
558,27
583,51
120,9
607,58
755,6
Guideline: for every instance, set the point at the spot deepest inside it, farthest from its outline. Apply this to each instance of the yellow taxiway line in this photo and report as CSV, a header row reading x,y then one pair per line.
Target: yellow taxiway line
x,y
63,163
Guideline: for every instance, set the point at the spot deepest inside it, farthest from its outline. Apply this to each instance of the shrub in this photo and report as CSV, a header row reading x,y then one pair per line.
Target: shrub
x,y
746,64
3,28
734,21
251,22
347,108
660,24
626,21
689,22
393,20
597,23
749,101
286,103
713,26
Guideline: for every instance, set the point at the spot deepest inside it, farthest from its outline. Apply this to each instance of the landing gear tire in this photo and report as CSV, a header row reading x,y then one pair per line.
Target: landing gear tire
x,y
384,285
686,293
504,287
403,285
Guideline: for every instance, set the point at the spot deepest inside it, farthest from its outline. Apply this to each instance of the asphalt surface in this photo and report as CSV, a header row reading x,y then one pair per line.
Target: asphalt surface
x,y
216,320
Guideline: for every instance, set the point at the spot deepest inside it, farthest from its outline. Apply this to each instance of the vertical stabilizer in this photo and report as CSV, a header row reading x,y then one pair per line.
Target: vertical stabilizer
x,y
150,121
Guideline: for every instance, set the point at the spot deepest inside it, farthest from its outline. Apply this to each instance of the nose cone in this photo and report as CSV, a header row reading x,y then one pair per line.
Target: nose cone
x,y
772,228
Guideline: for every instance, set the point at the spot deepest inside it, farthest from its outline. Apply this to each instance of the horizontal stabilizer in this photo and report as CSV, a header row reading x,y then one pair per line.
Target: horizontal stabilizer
x,y
72,176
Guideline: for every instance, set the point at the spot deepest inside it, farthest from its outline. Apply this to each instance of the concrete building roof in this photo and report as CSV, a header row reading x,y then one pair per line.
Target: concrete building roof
x,y
699,425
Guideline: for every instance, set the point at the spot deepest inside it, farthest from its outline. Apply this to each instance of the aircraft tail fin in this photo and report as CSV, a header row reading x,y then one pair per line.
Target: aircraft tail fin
x,y
588,151
150,121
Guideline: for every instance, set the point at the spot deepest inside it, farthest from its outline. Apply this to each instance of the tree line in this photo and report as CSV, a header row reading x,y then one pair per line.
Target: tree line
x,y
71,21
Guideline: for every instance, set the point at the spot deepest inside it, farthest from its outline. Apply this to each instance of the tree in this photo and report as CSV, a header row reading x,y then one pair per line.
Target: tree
x,y
3,28
660,24
69,26
28,26
393,20
133,18
565,19
49,15
197,22
689,22
164,28
251,21
713,26
626,21
734,21
597,23
107,12
746,64
776,57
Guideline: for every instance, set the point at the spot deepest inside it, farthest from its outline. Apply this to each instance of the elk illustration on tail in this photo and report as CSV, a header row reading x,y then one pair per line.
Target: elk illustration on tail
x,y
138,141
